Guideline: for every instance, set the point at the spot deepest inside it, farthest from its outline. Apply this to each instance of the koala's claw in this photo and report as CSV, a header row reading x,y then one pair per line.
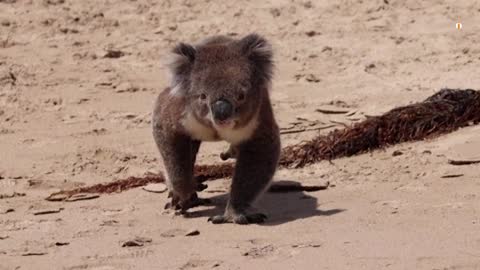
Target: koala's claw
x,y
199,202
242,219
194,201
231,152
201,186
224,156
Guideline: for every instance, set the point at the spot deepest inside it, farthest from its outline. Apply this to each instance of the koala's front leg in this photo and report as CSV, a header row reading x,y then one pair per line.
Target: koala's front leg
x,y
256,164
179,154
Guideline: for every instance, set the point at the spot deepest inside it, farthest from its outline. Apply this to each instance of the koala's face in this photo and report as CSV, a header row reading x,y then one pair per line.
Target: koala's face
x,y
223,88
223,79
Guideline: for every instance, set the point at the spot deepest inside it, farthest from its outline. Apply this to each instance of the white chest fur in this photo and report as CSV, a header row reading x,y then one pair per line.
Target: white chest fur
x,y
238,135
202,132
198,130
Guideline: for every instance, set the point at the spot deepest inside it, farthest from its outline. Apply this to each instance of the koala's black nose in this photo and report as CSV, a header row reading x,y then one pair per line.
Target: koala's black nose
x,y
222,109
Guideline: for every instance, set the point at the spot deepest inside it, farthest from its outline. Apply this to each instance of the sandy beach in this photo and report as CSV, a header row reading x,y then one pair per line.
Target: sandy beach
x,y
77,84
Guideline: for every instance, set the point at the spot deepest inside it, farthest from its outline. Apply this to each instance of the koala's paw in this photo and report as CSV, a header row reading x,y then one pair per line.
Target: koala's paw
x,y
231,152
242,219
224,156
183,206
197,202
201,186
174,202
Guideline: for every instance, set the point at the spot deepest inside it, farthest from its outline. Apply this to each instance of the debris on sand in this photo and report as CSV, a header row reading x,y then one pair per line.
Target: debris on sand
x,y
137,242
193,232
48,211
155,187
444,112
12,195
291,186
259,252
82,197
452,175
312,33
57,197
114,54
218,171
312,78
463,162
291,131
6,210
306,245
34,253
116,186
331,111
397,153
173,233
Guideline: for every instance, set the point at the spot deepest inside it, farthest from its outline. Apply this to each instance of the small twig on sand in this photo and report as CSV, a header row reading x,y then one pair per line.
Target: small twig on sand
x,y
304,130
326,111
451,175
339,123
463,162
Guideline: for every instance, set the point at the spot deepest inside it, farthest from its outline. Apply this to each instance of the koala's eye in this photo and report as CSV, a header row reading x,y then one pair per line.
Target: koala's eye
x,y
241,97
203,96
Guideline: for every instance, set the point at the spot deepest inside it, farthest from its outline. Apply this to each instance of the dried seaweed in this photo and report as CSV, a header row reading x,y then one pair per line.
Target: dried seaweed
x,y
215,171
443,112
111,187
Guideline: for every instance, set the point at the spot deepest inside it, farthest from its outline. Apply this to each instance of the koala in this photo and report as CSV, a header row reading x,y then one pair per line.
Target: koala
x,y
219,91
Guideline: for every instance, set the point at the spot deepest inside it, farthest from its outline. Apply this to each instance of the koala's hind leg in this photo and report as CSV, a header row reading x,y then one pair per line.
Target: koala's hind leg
x,y
256,164
179,154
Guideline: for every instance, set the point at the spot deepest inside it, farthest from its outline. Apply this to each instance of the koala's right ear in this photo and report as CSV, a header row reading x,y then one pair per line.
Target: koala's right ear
x,y
259,51
180,65
185,51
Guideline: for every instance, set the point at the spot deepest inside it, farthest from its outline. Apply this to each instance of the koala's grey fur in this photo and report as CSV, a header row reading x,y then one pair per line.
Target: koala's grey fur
x,y
219,91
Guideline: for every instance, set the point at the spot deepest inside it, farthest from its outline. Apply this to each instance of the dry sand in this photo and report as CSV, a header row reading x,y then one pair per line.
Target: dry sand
x,y
70,117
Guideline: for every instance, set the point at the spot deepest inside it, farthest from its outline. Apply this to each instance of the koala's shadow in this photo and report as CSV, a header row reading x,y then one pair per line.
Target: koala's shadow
x,y
279,207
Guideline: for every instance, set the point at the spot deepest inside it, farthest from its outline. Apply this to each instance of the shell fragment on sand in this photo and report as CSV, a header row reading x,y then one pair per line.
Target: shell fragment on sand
x,y
155,187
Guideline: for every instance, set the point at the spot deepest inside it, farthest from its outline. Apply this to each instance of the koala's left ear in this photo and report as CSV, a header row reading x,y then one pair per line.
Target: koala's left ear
x,y
259,51
180,64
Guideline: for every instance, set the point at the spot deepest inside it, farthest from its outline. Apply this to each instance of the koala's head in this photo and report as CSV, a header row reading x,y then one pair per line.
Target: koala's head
x,y
223,79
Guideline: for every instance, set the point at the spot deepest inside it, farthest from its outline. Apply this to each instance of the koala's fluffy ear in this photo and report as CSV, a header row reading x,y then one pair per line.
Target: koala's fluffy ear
x,y
180,65
259,51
